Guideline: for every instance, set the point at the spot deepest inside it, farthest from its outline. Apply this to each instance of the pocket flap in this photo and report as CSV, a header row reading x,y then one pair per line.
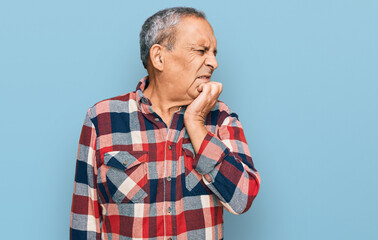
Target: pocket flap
x,y
124,159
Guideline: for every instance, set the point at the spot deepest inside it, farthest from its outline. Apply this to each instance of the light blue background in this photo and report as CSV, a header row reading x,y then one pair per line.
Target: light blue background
x,y
302,76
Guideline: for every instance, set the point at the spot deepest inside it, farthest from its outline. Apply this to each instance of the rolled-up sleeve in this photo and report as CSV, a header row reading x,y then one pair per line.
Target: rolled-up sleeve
x,y
226,164
85,214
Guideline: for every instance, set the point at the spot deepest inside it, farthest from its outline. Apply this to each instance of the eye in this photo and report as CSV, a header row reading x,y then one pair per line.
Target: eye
x,y
201,51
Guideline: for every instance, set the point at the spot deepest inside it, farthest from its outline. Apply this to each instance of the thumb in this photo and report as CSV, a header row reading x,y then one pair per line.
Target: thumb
x,y
200,87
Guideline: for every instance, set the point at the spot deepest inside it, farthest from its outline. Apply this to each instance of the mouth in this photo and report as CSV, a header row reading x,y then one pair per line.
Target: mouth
x,y
205,77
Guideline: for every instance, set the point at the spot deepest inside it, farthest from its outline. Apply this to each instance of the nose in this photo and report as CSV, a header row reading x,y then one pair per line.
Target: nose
x,y
211,61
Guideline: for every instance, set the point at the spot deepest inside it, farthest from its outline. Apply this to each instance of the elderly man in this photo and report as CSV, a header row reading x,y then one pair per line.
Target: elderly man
x,y
161,162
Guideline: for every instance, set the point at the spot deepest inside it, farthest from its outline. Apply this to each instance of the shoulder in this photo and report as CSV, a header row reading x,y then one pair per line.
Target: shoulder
x,y
220,114
222,110
121,103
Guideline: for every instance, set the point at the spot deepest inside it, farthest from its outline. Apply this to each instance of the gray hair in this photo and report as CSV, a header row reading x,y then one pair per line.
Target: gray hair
x,y
160,27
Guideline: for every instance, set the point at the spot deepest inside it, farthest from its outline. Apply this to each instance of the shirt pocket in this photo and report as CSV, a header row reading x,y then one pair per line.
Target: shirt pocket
x,y
125,175
193,179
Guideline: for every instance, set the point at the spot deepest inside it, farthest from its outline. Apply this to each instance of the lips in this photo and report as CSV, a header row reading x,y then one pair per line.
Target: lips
x,y
206,77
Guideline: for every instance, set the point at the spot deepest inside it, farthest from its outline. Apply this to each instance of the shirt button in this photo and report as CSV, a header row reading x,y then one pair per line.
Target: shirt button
x,y
169,209
156,119
169,178
124,163
169,147
144,100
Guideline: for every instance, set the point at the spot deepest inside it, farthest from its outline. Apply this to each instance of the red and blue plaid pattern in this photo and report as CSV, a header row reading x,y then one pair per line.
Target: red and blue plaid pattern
x,y
137,178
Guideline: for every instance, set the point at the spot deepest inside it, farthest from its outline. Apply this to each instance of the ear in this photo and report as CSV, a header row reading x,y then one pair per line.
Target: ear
x,y
157,57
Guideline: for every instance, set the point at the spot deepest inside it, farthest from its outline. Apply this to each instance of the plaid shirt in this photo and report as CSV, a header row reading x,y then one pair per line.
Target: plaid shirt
x,y
138,179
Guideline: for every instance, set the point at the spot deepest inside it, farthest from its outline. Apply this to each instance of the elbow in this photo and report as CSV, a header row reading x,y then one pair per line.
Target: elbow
x,y
236,209
239,207
253,190
242,207
242,201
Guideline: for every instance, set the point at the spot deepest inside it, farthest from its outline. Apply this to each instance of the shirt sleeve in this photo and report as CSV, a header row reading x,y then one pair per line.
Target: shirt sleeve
x,y
227,168
85,211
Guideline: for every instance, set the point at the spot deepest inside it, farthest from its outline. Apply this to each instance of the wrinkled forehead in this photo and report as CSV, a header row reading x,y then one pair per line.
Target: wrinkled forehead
x,y
195,30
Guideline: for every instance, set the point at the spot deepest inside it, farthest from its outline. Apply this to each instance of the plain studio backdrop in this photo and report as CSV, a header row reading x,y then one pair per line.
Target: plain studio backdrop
x,y
302,76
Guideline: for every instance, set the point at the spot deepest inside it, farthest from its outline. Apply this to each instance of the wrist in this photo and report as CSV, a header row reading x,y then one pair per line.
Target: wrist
x,y
193,122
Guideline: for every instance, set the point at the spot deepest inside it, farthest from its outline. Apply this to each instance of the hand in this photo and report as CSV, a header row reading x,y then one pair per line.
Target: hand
x,y
197,111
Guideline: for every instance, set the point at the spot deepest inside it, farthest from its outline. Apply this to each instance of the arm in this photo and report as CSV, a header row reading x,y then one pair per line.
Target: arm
x,y
85,211
226,164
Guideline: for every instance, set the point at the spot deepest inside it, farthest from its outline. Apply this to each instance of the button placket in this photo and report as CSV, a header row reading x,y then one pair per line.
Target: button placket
x,y
169,178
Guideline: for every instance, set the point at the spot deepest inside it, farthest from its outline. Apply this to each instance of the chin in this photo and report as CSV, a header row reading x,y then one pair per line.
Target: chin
x,y
193,95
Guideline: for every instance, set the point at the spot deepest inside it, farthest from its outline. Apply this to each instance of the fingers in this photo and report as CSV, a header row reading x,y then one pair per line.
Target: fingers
x,y
200,87
214,89
211,90
205,101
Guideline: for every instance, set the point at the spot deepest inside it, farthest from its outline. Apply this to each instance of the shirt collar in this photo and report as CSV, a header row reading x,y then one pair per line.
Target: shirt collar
x,y
142,99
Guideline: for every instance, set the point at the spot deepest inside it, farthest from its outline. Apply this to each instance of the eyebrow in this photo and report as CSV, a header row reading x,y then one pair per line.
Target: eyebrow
x,y
207,48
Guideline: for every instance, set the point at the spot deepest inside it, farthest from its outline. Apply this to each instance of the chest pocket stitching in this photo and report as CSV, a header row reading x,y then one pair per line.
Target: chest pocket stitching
x,y
126,175
124,159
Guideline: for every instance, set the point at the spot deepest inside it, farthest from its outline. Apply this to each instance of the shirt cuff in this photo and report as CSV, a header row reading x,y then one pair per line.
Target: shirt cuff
x,y
211,153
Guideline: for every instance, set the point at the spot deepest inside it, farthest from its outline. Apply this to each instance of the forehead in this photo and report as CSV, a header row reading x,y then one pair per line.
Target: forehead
x,y
195,31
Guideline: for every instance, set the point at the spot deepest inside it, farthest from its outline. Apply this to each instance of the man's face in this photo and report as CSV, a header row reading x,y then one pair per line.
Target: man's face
x,y
192,59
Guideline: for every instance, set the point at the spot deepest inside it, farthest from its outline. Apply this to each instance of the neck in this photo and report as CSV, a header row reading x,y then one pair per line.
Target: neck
x,y
158,93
